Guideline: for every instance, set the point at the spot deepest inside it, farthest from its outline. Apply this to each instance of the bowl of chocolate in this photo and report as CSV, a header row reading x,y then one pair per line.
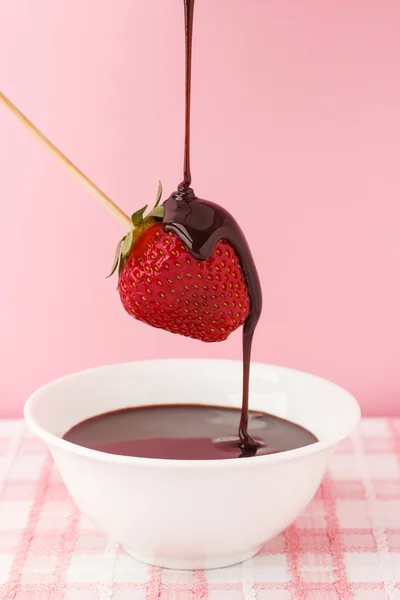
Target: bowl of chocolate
x,y
151,452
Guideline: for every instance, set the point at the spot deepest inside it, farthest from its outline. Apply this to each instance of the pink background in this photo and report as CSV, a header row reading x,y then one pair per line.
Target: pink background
x,y
304,124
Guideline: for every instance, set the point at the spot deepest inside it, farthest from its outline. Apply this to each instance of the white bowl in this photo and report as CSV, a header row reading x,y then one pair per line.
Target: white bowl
x,y
192,514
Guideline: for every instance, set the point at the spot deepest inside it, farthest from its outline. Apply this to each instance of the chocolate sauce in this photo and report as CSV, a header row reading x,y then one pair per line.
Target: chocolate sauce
x,y
188,432
200,224
189,10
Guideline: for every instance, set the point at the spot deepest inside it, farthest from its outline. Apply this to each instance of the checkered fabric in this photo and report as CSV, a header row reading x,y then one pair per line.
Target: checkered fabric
x,y
345,546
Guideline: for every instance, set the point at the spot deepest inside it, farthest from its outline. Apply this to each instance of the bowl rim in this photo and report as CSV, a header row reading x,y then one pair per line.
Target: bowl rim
x,y
54,441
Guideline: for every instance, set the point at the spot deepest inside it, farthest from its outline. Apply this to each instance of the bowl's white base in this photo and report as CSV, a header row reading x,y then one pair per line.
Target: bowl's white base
x,y
182,563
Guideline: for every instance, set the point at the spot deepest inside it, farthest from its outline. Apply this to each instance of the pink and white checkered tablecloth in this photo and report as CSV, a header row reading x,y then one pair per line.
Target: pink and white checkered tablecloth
x,y
345,546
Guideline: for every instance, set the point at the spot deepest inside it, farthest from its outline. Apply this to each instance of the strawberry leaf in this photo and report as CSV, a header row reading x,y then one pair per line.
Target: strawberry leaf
x,y
127,245
121,264
158,212
137,216
159,194
116,257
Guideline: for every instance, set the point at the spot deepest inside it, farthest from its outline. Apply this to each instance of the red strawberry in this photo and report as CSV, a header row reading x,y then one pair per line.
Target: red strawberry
x,y
163,285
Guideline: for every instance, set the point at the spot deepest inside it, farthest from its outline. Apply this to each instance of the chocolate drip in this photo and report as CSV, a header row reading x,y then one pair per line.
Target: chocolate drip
x,y
200,224
189,11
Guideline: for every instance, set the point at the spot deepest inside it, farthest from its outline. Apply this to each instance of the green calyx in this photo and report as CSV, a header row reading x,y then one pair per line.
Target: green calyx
x,y
140,223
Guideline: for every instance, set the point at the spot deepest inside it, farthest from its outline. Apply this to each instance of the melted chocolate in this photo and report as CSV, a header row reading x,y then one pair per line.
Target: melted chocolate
x,y
200,224
189,10
186,432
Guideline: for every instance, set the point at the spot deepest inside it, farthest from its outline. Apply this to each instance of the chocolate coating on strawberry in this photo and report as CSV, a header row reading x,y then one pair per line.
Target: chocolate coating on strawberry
x,y
201,224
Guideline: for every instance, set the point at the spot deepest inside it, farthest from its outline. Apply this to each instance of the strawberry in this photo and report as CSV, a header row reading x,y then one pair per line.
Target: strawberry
x,y
163,285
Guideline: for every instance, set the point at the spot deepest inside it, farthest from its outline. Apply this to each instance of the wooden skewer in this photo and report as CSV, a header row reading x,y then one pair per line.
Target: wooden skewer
x,y
92,187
